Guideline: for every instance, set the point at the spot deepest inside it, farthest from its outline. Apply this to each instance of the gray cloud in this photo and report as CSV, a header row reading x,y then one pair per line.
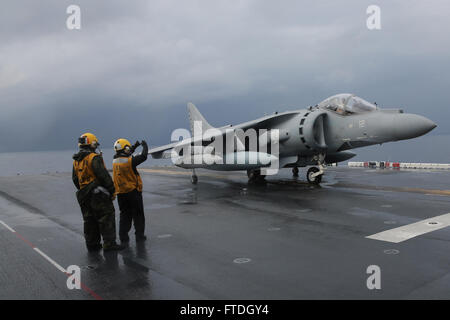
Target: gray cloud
x,y
133,66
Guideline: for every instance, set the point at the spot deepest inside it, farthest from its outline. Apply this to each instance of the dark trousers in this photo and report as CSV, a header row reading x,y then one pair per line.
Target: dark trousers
x,y
99,221
131,208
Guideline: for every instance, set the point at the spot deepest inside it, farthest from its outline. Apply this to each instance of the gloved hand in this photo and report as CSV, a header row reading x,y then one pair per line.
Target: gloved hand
x,y
113,197
134,146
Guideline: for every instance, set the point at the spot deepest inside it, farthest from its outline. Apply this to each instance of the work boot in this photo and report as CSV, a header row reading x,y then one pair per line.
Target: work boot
x,y
113,247
141,238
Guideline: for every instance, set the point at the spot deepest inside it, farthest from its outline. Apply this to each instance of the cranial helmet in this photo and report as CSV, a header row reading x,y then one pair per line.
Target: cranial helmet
x,y
122,144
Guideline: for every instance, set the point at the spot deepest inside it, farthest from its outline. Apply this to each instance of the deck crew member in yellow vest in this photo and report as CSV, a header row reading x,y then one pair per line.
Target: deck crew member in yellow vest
x,y
128,184
95,195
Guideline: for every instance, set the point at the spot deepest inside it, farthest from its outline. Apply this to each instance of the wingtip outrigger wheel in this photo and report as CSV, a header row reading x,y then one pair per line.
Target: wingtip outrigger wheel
x,y
194,178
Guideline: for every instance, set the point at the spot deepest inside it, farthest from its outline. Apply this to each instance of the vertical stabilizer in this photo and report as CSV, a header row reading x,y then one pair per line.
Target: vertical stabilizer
x,y
196,118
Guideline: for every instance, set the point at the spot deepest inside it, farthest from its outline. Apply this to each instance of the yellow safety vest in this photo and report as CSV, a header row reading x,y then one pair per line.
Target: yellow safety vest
x,y
125,179
84,170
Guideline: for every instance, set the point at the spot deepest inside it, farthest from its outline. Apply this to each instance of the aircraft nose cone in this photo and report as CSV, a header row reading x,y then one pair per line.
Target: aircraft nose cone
x,y
410,126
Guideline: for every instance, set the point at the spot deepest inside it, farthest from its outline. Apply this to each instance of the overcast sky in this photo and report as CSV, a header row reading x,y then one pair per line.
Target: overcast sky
x,y
134,65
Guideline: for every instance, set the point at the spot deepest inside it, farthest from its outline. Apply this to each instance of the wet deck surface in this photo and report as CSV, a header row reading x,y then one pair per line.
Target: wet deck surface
x,y
296,241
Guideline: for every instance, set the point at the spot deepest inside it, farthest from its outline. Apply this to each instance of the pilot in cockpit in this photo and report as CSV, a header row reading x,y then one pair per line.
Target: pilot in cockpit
x,y
347,104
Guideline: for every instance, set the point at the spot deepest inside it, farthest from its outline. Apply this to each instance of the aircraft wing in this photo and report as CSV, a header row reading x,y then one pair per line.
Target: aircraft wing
x,y
266,122
158,152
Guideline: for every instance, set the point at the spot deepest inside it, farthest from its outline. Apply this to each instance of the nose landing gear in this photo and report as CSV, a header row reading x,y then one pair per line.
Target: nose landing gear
x,y
314,174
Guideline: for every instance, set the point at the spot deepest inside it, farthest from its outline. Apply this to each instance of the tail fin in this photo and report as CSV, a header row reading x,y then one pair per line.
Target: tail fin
x,y
195,117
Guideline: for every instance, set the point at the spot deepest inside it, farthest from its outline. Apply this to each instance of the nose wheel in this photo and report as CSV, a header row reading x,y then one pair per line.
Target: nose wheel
x,y
312,175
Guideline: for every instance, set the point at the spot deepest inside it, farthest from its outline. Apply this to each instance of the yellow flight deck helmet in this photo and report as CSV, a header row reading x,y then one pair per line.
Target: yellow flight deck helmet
x,y
88,139
121,144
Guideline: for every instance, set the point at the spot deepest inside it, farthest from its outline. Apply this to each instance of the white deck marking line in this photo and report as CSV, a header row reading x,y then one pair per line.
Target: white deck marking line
x,y
51,261
46,257
7,227
36,249
412,230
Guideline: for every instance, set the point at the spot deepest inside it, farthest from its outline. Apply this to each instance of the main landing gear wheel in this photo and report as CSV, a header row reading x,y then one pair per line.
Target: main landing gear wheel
x,y
311,179
255,176
295,171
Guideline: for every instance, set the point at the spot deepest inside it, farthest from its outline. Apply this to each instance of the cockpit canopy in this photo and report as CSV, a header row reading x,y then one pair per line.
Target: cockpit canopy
x,y
347,104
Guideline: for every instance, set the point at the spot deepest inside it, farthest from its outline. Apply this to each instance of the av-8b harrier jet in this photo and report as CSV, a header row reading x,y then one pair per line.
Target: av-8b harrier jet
x,y
307,137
